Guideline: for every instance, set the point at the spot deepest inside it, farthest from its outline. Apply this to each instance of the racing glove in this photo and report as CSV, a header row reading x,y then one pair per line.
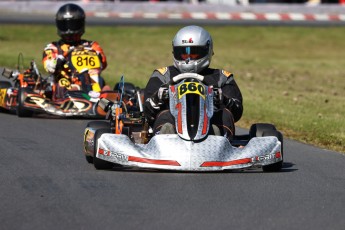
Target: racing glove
x,y
53,65
153,104
220,100
159,97
151,109
50,65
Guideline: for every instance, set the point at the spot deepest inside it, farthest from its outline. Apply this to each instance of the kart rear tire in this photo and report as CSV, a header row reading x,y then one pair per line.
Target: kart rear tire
x,y
99,163
276,167
5,84
128,88
256,130
21,110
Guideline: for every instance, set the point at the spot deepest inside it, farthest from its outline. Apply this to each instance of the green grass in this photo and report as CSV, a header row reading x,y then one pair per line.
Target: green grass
x,y
293,77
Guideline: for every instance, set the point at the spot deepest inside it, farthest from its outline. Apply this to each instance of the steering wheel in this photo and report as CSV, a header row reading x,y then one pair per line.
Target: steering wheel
x,y
184,76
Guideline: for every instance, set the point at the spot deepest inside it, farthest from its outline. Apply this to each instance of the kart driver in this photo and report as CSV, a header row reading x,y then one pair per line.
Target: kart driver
x,y
192,53
70,23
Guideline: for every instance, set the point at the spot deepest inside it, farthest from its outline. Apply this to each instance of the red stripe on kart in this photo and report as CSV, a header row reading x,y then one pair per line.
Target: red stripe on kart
x,y
226,163
204,129
179,118
152,161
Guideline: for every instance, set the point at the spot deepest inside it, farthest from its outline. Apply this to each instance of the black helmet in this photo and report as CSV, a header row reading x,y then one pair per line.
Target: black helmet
x,y
70,22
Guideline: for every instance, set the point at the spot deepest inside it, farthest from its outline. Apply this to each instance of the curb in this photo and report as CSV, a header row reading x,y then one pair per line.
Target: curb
x,y
323,13
245,16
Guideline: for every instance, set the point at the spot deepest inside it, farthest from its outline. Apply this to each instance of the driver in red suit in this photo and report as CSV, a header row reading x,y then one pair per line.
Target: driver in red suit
x,y
193,50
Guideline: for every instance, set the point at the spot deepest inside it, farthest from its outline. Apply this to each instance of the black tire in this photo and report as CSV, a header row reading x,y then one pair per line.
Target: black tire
x,y
5,84
89,159
256,130
276,167
98,124
99,163
128,88
21,110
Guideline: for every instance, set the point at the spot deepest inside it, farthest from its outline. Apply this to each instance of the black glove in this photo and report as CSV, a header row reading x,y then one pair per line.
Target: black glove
x,y
162,94
220,100
152,105
150,110
217,97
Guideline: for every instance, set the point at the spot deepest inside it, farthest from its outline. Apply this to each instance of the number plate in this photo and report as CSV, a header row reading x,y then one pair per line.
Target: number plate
x,y
191,87
85,60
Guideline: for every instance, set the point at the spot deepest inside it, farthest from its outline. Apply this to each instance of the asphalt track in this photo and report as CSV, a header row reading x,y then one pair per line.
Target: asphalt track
x,y
46,183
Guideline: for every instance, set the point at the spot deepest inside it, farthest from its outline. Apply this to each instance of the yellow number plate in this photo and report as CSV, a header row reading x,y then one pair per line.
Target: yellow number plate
x,y
85,60
191,87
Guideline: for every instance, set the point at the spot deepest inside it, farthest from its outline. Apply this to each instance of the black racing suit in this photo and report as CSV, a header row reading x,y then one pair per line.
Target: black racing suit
x,y
227,112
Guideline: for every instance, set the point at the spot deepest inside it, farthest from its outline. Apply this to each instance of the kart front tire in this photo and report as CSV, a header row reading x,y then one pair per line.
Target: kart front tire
x,y
21,110
96,125
276,167
89,159
99,163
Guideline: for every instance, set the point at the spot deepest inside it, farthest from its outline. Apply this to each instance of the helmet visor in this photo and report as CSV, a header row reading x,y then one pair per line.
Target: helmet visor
x,y
182,53
70,25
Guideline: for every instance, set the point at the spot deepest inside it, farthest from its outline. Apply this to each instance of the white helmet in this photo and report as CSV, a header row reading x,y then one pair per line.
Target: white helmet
x,y
192,49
